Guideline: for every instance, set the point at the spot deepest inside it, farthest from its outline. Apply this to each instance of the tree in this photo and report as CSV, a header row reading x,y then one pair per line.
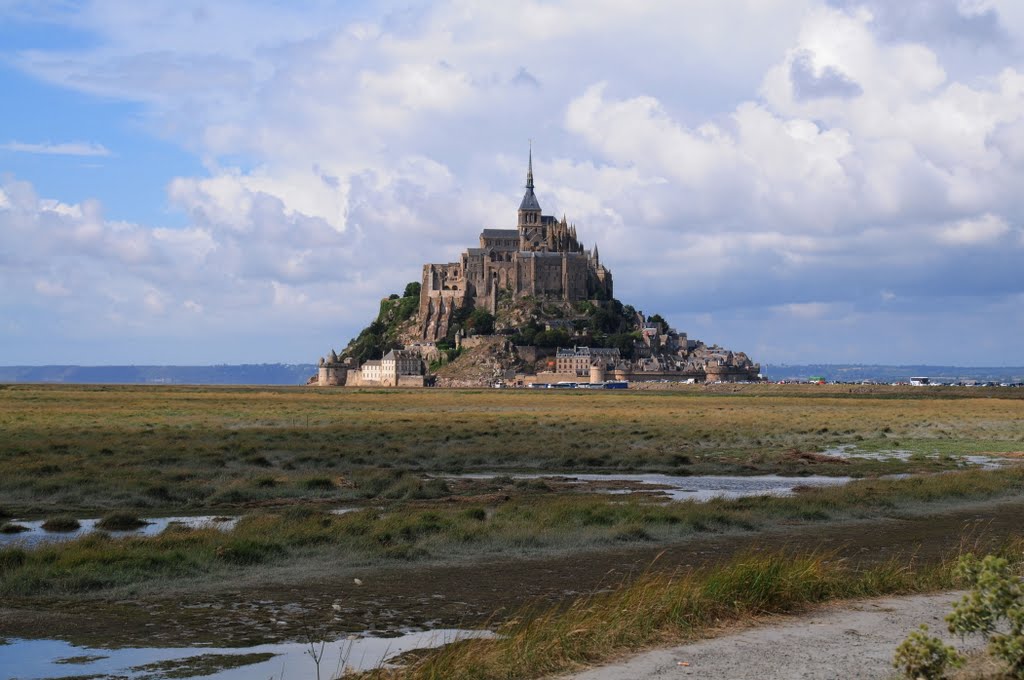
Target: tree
x,y
480,322
657,318
412,289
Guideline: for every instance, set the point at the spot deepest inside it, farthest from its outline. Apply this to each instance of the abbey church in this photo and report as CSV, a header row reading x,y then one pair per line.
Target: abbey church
x,y
541,257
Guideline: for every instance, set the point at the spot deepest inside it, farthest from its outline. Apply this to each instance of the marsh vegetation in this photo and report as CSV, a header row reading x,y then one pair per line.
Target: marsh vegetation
x,y
286,461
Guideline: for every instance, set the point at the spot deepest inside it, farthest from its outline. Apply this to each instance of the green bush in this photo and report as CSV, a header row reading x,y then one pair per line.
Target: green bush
x,y
993,608
924,656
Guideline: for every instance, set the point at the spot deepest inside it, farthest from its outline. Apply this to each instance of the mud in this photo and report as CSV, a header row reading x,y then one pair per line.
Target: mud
x,y
273,606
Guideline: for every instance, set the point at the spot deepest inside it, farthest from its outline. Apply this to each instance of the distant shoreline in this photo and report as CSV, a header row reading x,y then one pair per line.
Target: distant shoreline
x,y
297,374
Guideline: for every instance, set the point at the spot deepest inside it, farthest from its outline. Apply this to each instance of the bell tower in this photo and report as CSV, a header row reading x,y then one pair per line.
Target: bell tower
x,y
532,234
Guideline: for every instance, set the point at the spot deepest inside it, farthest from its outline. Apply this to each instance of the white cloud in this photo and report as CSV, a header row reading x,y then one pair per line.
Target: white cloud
x,y
50,288
977,231
777,161
59,149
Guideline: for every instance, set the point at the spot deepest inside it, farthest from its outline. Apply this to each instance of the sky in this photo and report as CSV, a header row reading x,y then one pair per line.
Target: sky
x,y
186,182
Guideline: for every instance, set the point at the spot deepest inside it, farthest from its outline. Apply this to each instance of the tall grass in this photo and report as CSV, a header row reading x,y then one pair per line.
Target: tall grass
x,y
661,608
445,531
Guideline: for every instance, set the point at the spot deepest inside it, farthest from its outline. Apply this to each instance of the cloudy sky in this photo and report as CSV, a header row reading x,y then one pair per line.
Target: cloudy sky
x,y
191,182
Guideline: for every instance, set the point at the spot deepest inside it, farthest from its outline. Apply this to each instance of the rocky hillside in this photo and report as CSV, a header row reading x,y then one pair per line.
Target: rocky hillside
x,y
479,363
480,346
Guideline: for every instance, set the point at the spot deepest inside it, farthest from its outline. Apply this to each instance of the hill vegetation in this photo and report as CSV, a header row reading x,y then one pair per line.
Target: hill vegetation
x,y
523,321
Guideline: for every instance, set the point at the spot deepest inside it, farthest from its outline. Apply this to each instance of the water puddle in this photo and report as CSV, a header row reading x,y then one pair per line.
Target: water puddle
x,y
36,535
699,488
849,451
51,659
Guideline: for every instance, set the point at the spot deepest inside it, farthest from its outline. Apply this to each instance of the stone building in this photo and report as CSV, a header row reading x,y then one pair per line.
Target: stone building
x,y
398,368
541,257
579,360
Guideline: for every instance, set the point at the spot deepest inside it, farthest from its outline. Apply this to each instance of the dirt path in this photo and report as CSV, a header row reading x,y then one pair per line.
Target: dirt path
x,y
853,640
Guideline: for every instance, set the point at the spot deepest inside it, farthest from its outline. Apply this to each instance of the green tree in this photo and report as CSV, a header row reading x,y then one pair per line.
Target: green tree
x,y
480,322
657,318
412,289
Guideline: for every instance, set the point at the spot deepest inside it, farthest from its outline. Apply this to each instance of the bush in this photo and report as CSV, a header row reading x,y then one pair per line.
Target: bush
x,y
994,608
480,322
924,656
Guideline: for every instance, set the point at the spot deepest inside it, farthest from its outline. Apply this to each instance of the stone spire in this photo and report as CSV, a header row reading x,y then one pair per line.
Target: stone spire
x,y
529,169
530,203
597,260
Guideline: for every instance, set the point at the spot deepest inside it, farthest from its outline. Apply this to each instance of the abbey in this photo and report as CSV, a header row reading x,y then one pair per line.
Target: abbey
x,y
541,257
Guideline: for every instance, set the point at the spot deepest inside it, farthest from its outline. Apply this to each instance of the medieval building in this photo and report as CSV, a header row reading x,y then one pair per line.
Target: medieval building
x,y
541,257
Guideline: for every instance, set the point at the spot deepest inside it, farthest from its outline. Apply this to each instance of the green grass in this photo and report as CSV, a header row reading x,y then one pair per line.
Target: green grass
x,y
660,608
442,531
91,449
120,521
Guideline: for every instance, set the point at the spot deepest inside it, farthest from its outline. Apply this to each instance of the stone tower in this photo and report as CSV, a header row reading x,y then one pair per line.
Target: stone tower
x,y
532,233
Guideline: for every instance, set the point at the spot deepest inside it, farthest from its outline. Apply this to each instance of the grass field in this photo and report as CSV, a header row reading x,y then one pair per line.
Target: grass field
x,y
81,449
283,458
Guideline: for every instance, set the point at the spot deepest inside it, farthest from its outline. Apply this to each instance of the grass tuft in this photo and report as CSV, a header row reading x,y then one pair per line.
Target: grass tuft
x,y
121,521
63,523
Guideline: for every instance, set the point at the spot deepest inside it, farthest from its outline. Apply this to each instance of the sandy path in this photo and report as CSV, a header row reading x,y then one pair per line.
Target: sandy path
x,y
855,640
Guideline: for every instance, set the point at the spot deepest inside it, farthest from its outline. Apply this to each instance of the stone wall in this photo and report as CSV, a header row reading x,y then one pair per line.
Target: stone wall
x,y
410,381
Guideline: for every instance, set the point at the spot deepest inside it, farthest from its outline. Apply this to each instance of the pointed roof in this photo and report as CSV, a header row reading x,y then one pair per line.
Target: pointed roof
x,y
529,200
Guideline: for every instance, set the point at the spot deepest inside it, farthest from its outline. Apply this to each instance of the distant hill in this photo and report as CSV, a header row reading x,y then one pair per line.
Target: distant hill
x,y
223,374
859,372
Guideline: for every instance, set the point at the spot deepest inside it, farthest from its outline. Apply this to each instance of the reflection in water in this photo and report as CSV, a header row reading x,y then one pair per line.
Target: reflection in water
x,y
698,488
58,659
36,535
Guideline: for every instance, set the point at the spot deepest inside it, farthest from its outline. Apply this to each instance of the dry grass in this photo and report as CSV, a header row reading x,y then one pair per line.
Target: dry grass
x,y
81,448
661,608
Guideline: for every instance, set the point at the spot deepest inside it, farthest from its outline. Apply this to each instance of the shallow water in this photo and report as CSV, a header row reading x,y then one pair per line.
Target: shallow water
x,y
36,535
698,488
42,659
848,451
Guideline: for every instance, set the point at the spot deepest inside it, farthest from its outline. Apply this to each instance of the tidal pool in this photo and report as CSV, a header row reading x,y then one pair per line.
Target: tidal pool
x,y
698,488
49,659
36,535
849,451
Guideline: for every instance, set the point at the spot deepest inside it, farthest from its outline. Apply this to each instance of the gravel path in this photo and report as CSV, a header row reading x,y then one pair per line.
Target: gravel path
x,y
855,640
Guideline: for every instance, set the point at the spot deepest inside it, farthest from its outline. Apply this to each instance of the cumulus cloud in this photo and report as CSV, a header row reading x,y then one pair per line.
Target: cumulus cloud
x,y
985,229
817,163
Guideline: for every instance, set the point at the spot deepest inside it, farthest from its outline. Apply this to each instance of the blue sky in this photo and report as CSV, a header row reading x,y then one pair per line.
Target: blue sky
x,y
804,180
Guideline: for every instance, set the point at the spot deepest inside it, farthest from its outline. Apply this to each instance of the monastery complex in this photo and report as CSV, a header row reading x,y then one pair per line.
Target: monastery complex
x,y
541,260
541,257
